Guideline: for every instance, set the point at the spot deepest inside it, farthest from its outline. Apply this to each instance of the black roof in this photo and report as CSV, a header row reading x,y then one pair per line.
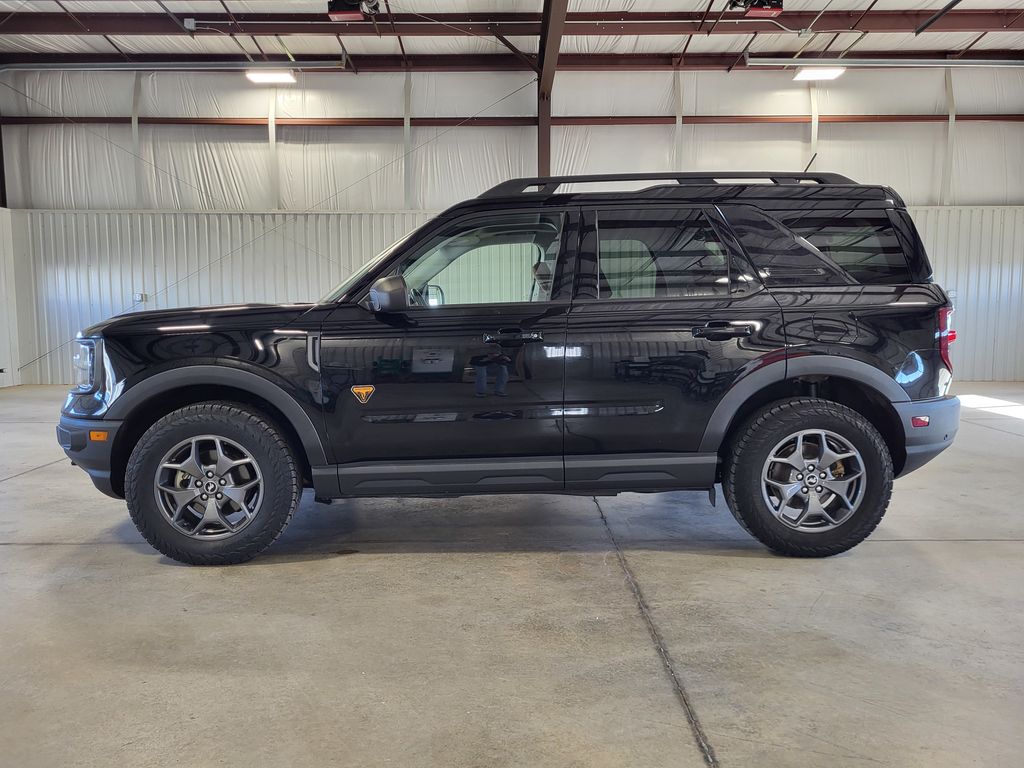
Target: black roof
x,y
781,189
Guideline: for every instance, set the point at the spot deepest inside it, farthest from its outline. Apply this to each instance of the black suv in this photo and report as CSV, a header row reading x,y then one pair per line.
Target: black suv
x,y
777,333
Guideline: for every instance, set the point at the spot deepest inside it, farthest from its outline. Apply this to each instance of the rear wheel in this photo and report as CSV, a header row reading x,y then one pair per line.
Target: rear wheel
x,y
212,484
808,477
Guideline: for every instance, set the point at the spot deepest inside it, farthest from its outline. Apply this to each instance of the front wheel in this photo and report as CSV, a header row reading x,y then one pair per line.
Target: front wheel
x,y
212,484
808,477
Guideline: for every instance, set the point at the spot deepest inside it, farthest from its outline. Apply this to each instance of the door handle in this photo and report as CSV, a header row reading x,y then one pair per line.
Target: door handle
x,y
719,330
513,336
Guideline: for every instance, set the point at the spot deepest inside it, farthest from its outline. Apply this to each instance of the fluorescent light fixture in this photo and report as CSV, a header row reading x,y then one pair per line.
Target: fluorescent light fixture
x,y
270,76
563,351
819,73
173,328
775,61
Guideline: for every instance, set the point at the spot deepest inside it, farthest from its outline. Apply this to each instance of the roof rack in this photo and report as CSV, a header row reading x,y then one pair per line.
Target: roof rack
x,y
548,184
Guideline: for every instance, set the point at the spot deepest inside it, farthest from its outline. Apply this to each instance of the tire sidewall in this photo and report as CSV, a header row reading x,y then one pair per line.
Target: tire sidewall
x,y
251,432
764,435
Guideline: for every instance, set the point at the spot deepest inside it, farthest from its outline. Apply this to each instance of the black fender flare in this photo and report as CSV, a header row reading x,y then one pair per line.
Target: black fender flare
x,y
193,375
805,365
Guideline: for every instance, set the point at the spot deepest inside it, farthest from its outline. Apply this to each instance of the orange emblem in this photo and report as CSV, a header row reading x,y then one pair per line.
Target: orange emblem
x,y
363,392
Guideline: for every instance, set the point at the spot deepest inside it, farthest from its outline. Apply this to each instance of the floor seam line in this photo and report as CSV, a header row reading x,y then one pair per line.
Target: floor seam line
x,y
994,429
699,736
41,466
65,544
935,541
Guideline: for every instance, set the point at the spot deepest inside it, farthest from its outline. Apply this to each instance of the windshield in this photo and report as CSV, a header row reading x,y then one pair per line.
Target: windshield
x,y
352,280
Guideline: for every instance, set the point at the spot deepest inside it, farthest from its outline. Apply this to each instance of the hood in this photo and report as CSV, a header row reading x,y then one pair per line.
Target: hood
x,y
200,319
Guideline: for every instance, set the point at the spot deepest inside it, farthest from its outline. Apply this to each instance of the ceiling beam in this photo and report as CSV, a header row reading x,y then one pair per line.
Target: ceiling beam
x,y
932,20
530,61
640,62
439,122
398,37
507,24
552,24
173,18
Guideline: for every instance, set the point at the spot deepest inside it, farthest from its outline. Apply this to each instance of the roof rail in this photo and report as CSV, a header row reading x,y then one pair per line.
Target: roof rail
x,y
548,184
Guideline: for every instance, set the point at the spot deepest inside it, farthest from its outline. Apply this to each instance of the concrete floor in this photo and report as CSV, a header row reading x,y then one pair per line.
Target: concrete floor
x,y
478,632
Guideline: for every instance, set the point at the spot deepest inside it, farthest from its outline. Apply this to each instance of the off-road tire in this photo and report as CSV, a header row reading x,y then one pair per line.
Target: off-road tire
x,y
756,437
249,428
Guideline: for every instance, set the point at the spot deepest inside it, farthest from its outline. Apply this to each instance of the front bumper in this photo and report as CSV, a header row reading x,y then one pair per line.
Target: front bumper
x,y
925,443
94,456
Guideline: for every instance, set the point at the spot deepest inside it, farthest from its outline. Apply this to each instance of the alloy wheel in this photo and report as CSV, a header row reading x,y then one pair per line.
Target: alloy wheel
x,y
813,481
208,487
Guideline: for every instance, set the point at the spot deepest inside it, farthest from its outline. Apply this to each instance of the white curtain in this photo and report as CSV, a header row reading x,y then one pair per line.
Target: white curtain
x,y
93,166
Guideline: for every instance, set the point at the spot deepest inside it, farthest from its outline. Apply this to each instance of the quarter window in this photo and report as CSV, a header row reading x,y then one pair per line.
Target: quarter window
x,y
862,243
660,253
781,256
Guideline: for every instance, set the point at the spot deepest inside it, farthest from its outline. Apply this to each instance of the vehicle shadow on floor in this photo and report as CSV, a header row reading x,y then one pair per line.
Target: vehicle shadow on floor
x,y
670,522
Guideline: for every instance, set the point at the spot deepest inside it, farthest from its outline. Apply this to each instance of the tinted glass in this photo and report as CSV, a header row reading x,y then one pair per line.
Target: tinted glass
x,y
487,260
781,256
864,243
659,254
913,248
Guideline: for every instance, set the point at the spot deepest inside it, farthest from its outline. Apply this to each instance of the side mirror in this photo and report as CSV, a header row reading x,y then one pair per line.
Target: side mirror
x,y
389,294
435,296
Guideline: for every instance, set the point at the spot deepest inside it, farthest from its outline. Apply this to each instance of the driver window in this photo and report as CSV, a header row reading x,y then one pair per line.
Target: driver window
x,y
489,260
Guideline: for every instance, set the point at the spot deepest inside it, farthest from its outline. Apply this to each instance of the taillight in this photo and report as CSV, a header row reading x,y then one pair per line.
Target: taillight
x,y
946,335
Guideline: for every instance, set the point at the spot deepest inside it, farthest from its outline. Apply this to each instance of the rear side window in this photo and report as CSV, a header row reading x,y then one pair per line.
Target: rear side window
x,y
864,243
659,253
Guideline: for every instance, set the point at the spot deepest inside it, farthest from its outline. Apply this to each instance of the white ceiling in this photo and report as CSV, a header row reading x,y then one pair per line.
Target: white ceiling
x,y
766,42
482,6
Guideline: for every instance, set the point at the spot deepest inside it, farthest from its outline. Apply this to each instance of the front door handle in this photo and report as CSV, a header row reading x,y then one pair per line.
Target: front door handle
x,y
719,330
513,336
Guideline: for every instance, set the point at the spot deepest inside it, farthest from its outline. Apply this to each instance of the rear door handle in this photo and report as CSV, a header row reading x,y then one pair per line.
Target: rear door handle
x,y
718,330
513,336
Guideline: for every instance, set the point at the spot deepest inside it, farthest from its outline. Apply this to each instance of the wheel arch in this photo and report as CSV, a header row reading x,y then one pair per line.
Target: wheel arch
x,y
855,384
153,398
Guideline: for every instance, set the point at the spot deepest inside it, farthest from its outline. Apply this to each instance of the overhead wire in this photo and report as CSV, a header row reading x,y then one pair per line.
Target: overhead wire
x,y
288,219
9,15
85,128
486,38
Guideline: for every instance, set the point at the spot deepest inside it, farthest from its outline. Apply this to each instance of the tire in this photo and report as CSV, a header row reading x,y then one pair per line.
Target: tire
x,y
756,489
255,477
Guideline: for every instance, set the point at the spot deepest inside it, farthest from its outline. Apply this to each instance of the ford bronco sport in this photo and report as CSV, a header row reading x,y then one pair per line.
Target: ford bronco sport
x,y
777,333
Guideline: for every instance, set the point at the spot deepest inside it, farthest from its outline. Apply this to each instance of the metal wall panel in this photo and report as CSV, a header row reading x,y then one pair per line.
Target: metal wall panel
x,y
978,255
9,353
85,266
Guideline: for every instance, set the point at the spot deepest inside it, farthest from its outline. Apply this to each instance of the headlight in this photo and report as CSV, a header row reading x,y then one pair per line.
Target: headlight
x,y
83,364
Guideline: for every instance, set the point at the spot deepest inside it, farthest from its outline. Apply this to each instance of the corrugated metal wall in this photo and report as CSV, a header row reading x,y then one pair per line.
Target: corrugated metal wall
x,y
86,266
978,255
8,303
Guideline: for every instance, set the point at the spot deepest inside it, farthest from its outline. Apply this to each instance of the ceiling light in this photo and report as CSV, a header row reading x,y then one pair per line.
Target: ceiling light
x,y
819,73
775,61
270,76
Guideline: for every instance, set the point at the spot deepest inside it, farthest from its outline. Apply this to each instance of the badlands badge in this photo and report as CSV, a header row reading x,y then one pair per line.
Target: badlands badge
x,y
363,392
